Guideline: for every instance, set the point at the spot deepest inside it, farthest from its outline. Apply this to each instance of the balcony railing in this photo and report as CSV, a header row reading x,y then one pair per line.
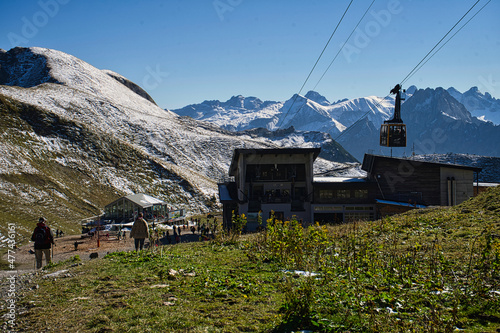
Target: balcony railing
x,y
255,205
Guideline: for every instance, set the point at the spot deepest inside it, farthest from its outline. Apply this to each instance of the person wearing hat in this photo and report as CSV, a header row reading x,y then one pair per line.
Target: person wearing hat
x,y
43,238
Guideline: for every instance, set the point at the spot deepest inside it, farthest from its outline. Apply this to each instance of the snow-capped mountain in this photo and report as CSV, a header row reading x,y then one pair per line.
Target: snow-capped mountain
x,y
312,112
482,106
437,121
74,138
237,113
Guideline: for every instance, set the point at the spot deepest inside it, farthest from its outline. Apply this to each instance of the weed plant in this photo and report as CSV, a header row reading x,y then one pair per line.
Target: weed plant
x,y
405,273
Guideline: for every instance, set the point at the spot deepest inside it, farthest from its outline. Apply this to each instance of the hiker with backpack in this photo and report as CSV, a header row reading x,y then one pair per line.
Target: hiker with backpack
x,y
43,238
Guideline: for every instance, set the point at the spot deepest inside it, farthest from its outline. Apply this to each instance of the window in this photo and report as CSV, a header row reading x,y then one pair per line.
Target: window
x,y
358,216
343,194
359,208
327,208
325,194
361,194
257,191
299,193
275,172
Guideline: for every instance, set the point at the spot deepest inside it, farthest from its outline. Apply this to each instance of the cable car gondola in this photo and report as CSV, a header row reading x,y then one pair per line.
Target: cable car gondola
x,y
393,132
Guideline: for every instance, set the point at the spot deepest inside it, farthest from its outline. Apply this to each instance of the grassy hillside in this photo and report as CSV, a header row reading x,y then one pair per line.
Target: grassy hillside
x,y
44,185
425,271
66,171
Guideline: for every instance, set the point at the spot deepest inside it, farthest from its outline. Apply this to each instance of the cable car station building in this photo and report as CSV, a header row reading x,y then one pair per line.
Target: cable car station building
x,y
281,182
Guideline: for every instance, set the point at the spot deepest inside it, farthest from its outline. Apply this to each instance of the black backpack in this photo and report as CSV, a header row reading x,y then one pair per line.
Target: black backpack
x,y
41,236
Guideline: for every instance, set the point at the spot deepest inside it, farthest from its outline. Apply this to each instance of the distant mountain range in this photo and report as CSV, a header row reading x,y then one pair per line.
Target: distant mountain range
x,y
438,120
312,112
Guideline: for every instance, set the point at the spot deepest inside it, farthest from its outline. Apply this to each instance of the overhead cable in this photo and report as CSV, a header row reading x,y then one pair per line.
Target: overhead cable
x,y
342,47
333,33
448,40
415,68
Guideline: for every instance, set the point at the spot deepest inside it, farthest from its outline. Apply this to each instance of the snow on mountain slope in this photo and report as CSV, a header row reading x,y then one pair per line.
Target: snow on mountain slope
x,y
188,149
483,106
307,115
84,77
129,84
317,97
73,91
236,114
60,102
377,109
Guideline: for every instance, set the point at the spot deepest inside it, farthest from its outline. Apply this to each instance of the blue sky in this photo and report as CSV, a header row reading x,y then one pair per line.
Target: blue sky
x,y
184,52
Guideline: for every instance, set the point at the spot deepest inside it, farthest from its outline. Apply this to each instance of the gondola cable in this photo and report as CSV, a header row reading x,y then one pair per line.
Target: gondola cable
x,y
342,47
321,54
413,71
448,40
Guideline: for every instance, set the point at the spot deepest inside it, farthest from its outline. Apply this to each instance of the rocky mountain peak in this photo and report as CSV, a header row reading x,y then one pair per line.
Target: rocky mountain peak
x,y
472,91
317,97
22,67
411,90
432,104
241,102
236,101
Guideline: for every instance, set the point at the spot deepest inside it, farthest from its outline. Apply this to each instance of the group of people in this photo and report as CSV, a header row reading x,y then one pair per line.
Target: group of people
x,y
43,237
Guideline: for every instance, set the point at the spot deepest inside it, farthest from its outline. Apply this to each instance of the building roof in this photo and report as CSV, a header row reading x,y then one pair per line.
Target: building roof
x,y
369,160
142,200
483,184
397,203
224,195
267,151
339,180
228,193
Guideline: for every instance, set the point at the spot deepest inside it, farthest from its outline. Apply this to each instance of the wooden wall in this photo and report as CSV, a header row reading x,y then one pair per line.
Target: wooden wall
x,y
407,181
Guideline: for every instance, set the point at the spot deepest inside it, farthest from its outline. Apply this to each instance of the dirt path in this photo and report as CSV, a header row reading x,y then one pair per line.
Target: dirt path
x,y
64,249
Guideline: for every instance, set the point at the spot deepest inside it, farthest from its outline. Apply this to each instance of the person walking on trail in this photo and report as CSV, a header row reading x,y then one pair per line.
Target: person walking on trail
x,y
44,239
139,232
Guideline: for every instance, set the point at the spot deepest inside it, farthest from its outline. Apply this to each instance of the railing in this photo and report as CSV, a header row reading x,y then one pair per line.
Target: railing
x,y
255,205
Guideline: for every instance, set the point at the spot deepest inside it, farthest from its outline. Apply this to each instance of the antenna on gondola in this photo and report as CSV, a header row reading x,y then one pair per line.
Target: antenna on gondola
x,y
393,131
